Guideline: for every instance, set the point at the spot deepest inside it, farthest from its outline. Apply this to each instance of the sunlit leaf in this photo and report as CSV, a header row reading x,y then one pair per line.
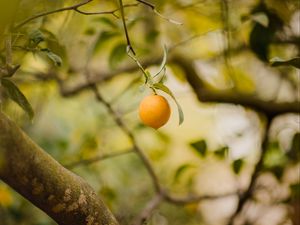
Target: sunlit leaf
x,y
295,62
17,96
165,89
163,63
148,77
200,146
274,157
181,170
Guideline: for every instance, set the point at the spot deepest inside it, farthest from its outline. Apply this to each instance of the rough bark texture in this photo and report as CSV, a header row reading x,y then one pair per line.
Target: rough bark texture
x,y
33,173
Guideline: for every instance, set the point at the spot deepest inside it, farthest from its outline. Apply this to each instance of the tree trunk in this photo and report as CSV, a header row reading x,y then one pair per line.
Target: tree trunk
x,y
64,196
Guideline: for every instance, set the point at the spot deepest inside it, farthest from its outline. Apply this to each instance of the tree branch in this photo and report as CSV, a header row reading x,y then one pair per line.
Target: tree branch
x,y
74,7
124,128
258,167
125,27
194,199
113,12
34,174
269,108
89,161
148,210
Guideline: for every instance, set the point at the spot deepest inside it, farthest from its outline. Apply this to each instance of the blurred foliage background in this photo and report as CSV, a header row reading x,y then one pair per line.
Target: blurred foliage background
x,y
213,152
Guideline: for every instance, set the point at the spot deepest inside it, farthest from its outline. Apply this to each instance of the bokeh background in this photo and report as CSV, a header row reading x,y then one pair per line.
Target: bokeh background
x,y
214,151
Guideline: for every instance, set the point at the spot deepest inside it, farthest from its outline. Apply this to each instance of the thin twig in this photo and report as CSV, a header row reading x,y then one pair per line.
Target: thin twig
x,y
131,83
125,27
124,128
195,199
113,12
146,213
136,148
153,8
89,161
74,7
193,37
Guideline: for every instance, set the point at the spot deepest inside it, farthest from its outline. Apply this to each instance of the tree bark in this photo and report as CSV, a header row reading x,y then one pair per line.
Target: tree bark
x,y
28,169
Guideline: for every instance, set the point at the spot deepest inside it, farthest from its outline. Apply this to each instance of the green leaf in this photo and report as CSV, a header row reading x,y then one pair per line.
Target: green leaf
x,y
180,171
107,22
200,147
275,156
237,165
148,78
295,62
260,18
36,37
277,171
165,89
117,54
17,96
152,36
103,37
52,56
90,31
163,63
221,152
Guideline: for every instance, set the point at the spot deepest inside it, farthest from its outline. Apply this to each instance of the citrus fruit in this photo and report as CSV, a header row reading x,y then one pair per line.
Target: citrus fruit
x,y
154,111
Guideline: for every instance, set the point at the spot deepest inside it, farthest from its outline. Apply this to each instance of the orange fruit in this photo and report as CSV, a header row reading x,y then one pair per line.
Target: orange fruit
x,y
154,111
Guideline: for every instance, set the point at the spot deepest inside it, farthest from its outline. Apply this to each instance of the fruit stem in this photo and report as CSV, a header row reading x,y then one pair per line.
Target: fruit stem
x,y
154,91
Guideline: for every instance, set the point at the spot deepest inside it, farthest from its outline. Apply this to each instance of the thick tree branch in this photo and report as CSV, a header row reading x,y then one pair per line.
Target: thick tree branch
x,y
34,174
269,108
